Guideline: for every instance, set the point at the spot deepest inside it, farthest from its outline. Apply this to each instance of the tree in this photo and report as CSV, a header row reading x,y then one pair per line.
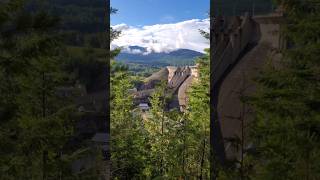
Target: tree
x,y
157,129
198,120
128,138
286,128
35,120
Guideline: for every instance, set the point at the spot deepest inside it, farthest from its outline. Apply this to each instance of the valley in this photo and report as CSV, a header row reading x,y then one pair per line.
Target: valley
x,y
143,63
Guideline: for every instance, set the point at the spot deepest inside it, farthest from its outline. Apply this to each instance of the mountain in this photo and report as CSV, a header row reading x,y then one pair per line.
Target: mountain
x,y
140,55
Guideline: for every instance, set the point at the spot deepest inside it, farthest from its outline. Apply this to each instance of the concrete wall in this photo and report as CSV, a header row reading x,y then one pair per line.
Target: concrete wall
x,y
231,43
194,71
262,35
182,92
181,80
180,75
171,70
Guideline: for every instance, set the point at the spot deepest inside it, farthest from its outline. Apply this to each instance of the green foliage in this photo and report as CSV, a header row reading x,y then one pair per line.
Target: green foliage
x,y
80,15
35,120
159,144
197,128
157,127
180,140
142,69
286,128
127,135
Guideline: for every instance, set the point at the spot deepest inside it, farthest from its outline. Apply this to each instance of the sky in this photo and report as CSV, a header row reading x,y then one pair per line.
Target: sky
x,y
161,25
149,12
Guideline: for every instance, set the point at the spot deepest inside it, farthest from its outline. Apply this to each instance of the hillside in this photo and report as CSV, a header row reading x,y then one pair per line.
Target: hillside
x,y
139,55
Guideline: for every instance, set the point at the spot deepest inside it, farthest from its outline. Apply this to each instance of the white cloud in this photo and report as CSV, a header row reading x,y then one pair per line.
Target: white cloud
x,y
121,27
164,37
131,51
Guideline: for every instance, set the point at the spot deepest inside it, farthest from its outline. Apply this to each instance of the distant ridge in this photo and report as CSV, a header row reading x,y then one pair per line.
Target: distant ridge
x,y
140,55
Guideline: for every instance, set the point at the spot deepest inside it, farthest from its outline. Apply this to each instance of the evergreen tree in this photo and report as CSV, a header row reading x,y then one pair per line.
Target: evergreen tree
x,y
128,138
35,120
286,128
198,122
158,130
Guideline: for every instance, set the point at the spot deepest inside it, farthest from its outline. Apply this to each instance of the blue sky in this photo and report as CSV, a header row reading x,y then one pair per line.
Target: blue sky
x,y
161,25
150,12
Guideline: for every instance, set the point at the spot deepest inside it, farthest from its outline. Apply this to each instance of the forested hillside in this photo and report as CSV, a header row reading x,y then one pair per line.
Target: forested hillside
x,y
144,63
176,57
